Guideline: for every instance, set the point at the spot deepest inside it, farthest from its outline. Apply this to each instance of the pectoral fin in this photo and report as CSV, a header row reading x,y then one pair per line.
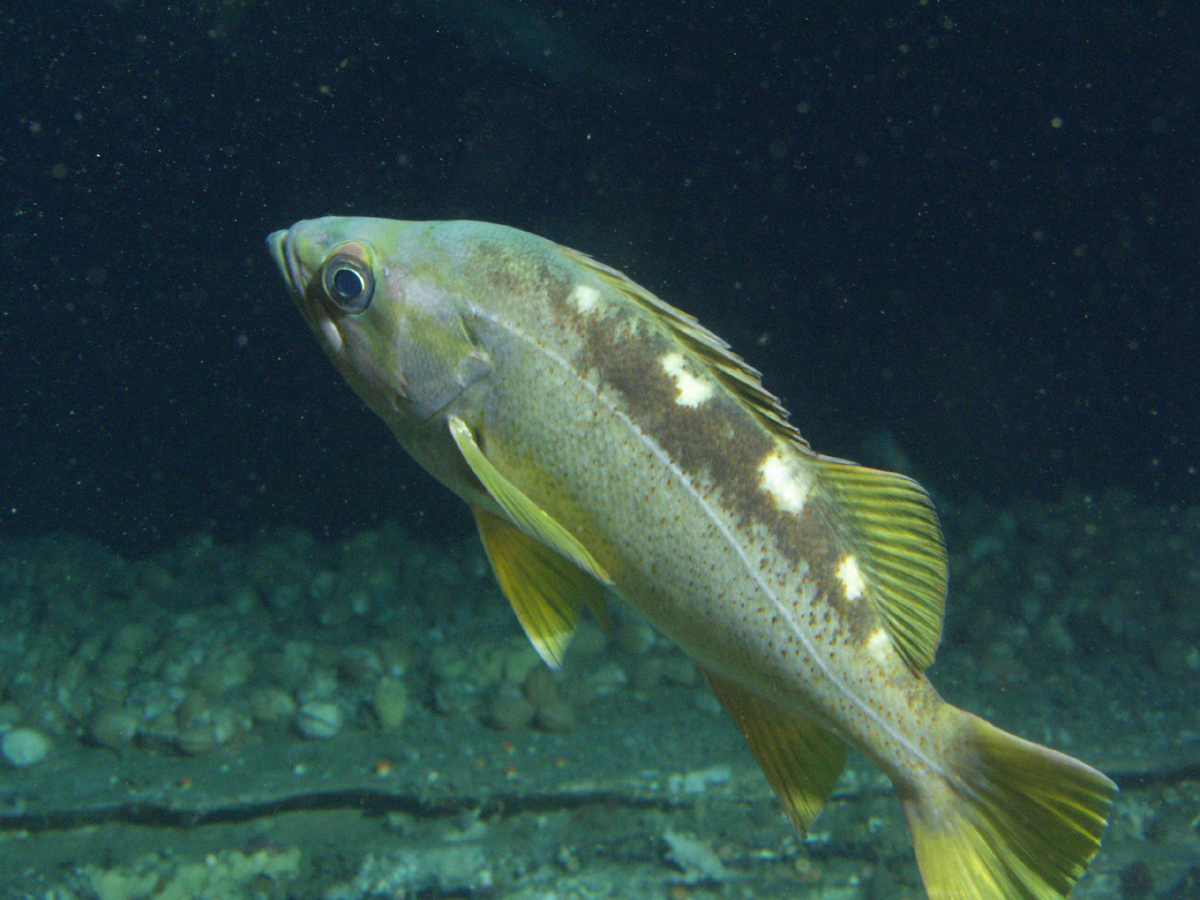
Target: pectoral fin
x,y
546,591
540,565
801,760
530,518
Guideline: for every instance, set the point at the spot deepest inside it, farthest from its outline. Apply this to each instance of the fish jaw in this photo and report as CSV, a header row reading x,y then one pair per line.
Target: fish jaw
x,y
297,275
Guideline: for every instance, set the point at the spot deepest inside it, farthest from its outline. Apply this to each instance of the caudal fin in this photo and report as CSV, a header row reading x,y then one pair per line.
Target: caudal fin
x,y
1012,821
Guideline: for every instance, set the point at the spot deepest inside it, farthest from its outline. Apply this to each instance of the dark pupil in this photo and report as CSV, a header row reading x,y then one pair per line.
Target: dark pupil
x,y
348,284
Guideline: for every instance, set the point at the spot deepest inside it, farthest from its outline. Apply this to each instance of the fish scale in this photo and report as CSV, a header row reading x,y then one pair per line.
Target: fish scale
x,y
602,437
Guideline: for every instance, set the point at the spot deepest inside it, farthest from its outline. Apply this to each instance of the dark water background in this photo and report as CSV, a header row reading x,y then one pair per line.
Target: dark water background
x,y
973,225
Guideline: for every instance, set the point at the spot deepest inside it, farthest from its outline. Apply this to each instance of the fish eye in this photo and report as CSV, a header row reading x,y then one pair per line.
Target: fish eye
x,y
348,283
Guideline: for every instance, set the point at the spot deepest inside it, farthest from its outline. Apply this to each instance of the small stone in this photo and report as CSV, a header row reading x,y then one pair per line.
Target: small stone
x,y
680,670
360,664
509,711
518,664
556,715
217,677
321,684
195,707
589,640
114,728
649,673
319,719
24,747
272,704
635,637
390,702
540,687
196,739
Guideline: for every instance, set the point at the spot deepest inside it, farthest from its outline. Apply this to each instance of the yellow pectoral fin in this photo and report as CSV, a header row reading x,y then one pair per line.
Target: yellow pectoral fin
x,y
531,519
546,591
802,761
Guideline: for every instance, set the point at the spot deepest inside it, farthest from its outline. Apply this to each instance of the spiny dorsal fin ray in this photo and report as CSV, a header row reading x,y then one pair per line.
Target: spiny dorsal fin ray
x,y
737,376
899,544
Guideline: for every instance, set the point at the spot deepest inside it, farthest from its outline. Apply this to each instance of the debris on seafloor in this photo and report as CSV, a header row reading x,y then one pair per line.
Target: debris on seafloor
x,y
167,696
695,858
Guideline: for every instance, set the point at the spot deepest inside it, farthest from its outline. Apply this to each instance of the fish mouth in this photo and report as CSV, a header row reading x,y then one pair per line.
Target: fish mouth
x,y
282,245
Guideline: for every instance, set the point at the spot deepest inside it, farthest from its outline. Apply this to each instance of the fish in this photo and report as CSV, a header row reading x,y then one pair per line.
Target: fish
x,y
604,439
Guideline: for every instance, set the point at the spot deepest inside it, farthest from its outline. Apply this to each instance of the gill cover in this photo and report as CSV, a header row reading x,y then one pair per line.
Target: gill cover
x,y
403,343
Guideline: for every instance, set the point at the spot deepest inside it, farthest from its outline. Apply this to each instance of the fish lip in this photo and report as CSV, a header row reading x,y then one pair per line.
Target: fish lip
x,y
282,245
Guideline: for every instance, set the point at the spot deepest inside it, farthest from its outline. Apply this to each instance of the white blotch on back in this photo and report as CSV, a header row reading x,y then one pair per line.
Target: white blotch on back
x,y
585,297
878,644
692,390
786,481
851,577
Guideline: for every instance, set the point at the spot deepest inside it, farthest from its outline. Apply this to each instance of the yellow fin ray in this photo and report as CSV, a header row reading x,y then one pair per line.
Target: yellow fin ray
x,y
900,549
1014,821
801,760
526,515
545,590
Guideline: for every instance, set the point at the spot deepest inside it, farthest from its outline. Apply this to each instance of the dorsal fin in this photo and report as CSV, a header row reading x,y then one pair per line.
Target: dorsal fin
x,y
899,544
742,380
892,520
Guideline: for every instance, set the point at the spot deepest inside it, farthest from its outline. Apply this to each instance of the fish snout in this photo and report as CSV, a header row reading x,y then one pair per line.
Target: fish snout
x,y
282,245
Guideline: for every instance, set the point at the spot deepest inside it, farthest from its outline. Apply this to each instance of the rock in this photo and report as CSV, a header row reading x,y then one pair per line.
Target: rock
x,y
196,739
114,728
390,702
24,747
557,715
509,711
540,687
272,704
319,719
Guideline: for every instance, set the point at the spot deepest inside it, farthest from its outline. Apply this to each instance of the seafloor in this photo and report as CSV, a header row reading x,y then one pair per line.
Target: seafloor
x,y
362,718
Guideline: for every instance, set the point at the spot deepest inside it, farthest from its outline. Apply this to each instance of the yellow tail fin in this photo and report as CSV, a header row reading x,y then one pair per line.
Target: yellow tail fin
x,y
1012,821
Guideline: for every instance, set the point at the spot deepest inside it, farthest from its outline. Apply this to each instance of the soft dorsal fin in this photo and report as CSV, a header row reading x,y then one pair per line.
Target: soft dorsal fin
x,y
891,517
900,549
743,381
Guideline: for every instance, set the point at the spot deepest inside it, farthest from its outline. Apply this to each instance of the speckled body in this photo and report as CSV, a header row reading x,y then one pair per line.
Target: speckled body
x,y
658,470
599,434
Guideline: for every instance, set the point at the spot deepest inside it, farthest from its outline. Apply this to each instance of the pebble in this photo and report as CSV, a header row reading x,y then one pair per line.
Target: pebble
x,y
24,747
114,728
272,704
319,719
540,687
390,702
509,711
557,715
196,739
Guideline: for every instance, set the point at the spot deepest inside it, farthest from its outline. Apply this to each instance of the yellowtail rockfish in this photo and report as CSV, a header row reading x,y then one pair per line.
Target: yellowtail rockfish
x,y
603,437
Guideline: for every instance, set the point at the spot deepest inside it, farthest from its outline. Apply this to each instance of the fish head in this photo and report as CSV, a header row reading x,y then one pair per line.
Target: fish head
x,y
371,291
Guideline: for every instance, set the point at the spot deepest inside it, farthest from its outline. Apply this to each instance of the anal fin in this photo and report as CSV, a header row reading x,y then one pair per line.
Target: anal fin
x,y
802,761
